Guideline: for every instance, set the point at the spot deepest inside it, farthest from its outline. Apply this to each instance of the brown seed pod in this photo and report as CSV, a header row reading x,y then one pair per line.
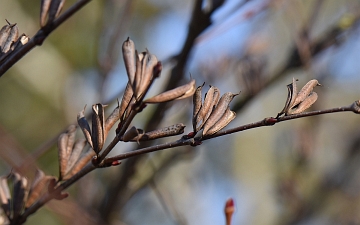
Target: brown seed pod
x,y
138,73
84,159
181,92
12,37
132,134
4,33
219,110
63,154
128,50
84,125
19,194
75,154
147,76
305,91
54,10
305,104
197,104
162,132
126,101
98,127
222,122
208,107
50,9
5,195
38,187
292,94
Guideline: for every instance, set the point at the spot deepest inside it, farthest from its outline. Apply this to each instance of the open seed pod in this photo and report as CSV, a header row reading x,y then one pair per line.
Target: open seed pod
x,y
298,102
69,152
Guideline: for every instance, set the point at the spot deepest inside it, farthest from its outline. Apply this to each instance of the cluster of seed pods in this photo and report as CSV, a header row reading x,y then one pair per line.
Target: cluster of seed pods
x,y
298,102
10,40
18,194
212,114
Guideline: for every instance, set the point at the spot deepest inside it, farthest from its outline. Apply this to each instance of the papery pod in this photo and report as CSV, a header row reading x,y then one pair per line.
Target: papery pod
x,y
19,194
75,154
12,38
128,50
305,91
111,120
54,10
4,34
5,195
44,10
162,132
84,159
138,73
126,101
131,134
84,125
210,101
38,187
63,154
219,111
98,127
147,76
71,131
50,9
197,104
222,122
22,40
305,104
181,92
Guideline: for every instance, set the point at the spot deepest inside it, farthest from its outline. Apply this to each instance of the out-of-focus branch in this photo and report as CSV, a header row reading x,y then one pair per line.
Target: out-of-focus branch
x,y
40,37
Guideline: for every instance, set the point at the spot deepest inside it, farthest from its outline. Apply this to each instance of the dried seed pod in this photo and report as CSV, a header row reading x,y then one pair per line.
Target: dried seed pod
x,y
292,94
12,37
63,154
5,196
150,62
162,132
222,122
98,127
126,100
131,134
84,159
111,120
50,9
305,104
210,101
138,73
20,194
84,125
75,154
197,104
54,10
219,111
305,91
4,34
37,188
181,92
128,50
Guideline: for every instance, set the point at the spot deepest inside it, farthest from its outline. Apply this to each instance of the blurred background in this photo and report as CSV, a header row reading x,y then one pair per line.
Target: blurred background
x,y
304,171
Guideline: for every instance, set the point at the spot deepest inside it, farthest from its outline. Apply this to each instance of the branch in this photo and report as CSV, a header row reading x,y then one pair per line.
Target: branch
x,y
269,121
40,36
